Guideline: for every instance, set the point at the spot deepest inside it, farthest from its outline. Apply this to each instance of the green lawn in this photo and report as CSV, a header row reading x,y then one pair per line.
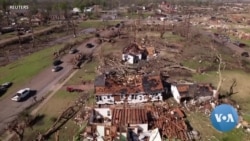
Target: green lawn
x,y
85,74
96,24
22,70
14,34
8,35
202,123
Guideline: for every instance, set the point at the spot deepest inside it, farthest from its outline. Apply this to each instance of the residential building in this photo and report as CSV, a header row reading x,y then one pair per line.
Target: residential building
x,y
200,92
133,53
144,123
133,89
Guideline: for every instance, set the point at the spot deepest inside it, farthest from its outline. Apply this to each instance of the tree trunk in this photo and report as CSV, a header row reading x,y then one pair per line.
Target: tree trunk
x,y
32,32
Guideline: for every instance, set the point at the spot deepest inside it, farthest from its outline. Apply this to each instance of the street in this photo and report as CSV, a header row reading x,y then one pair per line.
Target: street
x,y
43,83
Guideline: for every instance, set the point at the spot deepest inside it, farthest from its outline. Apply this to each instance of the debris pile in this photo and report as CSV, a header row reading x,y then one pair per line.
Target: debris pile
x,y
168,122
171,123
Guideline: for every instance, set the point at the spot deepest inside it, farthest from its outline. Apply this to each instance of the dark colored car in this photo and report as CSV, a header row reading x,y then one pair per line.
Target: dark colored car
x,y
89,45
73,51
70,89
245,54
57,62
57,68
2,90
6,85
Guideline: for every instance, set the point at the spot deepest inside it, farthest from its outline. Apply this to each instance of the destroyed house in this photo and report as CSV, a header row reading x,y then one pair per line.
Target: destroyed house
x,y
137,123
117,121
193,91
133,53
136,89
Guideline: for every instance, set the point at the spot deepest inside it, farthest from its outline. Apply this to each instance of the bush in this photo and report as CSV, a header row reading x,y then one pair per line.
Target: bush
x,y
53,119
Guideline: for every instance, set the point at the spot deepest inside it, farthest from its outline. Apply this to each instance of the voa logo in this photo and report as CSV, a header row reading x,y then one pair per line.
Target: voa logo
x,y
224,117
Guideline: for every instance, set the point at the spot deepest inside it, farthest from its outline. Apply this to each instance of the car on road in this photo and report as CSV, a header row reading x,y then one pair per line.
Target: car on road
x,y
89,45
56,69
73,51
245,54
21,94
6,85
57,62
2,91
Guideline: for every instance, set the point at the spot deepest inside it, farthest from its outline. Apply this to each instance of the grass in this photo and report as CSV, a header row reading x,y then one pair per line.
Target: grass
x,y
14,34
195,64
24,69
137,16
168,36
62,99
172,38
85,74
202,124
8,35
96,24
234,38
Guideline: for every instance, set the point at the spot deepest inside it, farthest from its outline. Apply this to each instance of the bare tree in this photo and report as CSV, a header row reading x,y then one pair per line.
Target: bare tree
x,y
219,72
231,89
17,128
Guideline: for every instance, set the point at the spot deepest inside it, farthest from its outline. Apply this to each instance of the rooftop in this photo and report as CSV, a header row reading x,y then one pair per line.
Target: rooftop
x,y
194,90
152,84
129,116
131,85
132,48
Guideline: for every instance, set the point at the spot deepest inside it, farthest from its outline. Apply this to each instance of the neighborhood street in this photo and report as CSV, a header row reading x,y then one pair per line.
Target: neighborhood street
x,y
43,83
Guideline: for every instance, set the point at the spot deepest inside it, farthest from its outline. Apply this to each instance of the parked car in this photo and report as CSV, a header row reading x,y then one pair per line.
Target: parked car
x,y
57,62
6,85
56,69
89,45
2,90
71,89
73,51
245,54
21,94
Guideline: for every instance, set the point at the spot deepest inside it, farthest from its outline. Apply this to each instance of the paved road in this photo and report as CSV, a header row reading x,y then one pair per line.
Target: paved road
x,y
43,83
230,45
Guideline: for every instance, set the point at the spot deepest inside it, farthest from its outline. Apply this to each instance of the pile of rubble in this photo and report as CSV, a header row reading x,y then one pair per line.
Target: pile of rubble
x,y
172,124
138,123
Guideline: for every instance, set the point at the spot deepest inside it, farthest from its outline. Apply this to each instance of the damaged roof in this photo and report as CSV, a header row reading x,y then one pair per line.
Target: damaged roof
x,y
132,48
129,116
116,89
145,84
100,80
195,90
152,84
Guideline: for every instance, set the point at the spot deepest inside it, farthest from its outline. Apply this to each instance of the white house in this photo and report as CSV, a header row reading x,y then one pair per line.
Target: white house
x,y
133,53
140,89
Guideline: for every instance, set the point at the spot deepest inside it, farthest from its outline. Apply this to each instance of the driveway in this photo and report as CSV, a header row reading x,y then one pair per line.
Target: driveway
x,y
43,83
